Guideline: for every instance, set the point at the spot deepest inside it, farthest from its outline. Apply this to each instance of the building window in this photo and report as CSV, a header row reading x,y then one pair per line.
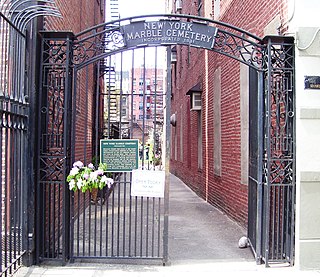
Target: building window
x,y
216,9
199,140
175,144
200,7
244,118
217,122
182,126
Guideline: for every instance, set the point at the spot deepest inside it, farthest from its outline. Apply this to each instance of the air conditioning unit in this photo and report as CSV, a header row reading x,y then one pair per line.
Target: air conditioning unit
x,y
178,5
196,101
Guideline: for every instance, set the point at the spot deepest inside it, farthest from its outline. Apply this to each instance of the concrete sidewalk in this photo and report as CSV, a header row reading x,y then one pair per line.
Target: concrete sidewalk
x,y
202,241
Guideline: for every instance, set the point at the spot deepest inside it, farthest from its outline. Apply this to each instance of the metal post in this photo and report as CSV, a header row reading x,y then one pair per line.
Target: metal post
x,y
260,138
67,146
293,203
167,161
267,185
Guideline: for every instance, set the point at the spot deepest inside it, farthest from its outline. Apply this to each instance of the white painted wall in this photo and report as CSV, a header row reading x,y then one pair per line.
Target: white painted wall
x,y
304,24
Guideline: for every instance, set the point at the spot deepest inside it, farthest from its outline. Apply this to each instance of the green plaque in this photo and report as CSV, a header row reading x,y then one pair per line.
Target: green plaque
x,y
119,154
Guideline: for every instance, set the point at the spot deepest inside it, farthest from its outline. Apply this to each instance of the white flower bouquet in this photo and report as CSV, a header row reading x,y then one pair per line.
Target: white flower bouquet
x,y
85,178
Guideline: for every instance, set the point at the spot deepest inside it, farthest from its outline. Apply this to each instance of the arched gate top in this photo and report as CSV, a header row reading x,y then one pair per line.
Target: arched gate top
x,y
167,29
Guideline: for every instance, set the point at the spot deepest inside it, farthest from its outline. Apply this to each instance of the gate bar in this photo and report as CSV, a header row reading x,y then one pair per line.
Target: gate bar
x,y
260,138
167,179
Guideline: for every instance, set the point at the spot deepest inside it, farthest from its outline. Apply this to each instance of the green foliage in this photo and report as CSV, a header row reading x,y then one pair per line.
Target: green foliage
x,y
86,178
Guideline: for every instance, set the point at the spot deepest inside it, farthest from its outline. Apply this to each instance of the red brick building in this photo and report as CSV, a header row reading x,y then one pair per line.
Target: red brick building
x,y
150,75
84,14
210,146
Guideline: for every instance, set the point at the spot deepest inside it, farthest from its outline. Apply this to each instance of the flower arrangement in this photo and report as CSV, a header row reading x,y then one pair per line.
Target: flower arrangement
x,y
85,178
157,159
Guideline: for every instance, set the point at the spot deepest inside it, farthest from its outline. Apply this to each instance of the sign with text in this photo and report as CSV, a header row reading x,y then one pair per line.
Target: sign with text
x,y
148,183
311,82
119,154
169,32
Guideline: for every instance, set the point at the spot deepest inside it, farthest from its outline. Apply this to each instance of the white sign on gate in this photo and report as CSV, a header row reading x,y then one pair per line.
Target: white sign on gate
x,y
148,183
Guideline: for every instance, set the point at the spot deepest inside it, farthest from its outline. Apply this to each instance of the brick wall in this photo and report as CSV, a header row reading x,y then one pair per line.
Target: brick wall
x,y
77,15
225,191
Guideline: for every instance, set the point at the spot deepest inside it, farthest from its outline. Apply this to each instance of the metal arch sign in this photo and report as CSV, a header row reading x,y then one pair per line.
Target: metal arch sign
x,y
164,32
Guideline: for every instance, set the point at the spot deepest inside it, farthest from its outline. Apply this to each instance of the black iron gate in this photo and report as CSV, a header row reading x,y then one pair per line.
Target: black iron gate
x,y
118,98
279,152
88,94
106,103
14,111
53,208
272,154
17,80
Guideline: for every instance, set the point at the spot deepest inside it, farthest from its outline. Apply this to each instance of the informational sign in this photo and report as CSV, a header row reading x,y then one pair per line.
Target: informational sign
x,y
312,82
120,155
148,183
169,32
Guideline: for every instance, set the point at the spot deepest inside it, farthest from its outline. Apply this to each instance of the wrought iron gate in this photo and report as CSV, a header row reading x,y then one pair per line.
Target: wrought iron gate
x,y
16,85
14,111
279,152
88,95
121,98
272,154
106,102
53,199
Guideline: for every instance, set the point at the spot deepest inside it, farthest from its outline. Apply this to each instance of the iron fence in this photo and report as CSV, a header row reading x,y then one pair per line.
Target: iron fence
x,y
14,109
118,98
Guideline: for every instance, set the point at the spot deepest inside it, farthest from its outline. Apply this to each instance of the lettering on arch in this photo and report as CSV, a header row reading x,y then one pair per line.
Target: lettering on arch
x,y
164,32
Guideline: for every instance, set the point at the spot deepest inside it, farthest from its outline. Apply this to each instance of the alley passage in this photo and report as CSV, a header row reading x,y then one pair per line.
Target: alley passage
x,y
199,232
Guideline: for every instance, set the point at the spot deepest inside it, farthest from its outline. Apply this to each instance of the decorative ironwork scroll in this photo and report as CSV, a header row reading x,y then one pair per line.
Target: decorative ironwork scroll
x,y
279,151
54,144
97,46
21,12
240,48
104,39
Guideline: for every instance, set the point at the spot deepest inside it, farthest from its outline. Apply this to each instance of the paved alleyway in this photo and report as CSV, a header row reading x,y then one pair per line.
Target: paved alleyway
x,y
202,241
199,232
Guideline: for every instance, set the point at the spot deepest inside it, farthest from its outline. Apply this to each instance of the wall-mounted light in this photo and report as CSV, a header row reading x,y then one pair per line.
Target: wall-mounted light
x,y
178,5
173,120
174,54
